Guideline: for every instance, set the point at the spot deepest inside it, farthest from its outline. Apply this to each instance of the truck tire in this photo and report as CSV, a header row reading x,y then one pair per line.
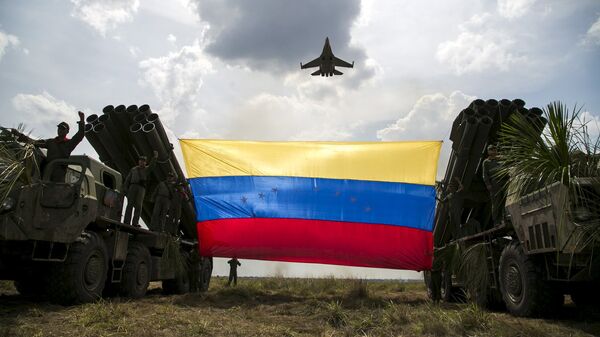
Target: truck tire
x,y
449,292
178,285
181,283
206,267
82,276
428,284
487,298
523,288
136,273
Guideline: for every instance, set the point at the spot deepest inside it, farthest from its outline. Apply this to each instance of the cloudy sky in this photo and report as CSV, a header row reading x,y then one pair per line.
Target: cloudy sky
x,y
229,69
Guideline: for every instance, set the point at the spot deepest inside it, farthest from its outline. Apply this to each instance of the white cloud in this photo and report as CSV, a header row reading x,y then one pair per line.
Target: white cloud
x,y
6,41
171,38
176,79
593,34
43,112
479,46
134,51
512,9
430,118
104,15
277,117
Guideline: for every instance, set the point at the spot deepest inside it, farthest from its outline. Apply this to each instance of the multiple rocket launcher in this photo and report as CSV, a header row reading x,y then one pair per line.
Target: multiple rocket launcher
x,y
121,135
473,129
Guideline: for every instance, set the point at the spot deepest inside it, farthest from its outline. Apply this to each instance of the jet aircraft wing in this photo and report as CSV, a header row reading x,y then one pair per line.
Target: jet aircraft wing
x,y
314,63
341,63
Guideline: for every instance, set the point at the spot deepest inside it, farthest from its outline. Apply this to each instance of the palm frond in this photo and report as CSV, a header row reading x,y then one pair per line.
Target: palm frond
x,y
564,151
19,163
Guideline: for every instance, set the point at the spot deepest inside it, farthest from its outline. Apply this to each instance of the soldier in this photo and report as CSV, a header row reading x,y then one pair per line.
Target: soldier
x,y
493,183
162,196
233,264
135,188
179,197
59,147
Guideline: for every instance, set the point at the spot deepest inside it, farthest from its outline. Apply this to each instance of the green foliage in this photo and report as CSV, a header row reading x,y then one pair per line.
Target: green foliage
x,y
335,314
533,158
18,162
564,151
359,289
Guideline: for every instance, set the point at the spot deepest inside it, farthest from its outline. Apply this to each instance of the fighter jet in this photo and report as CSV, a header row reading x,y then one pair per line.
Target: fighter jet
x,y
327,62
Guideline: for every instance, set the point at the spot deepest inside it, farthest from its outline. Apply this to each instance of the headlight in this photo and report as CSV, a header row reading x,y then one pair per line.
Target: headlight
x,y
8,204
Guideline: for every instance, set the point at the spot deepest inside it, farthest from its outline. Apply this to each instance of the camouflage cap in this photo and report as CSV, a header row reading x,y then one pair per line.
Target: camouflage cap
x,y
491,147
142,158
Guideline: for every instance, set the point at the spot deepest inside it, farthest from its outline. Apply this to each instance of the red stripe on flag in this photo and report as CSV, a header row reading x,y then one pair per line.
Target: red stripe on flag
x,y
317,241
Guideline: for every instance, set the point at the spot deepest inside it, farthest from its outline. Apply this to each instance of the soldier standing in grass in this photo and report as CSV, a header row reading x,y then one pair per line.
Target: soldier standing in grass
x,y
233,264
59,147
162,196
135,188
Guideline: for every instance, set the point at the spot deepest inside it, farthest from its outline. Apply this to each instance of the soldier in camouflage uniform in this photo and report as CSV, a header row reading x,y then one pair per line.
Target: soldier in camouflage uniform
x,y
493,183
59,147
179,197
233,264
162,196
134,188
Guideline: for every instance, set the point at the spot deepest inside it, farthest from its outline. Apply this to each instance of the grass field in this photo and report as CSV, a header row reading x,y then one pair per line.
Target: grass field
x,y
281,307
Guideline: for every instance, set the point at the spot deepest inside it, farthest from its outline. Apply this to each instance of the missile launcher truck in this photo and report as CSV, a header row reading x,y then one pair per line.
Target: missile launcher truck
x,y
538,250
65,240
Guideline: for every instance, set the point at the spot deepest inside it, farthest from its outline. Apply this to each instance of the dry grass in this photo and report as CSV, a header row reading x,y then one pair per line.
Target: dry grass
x,y
280,307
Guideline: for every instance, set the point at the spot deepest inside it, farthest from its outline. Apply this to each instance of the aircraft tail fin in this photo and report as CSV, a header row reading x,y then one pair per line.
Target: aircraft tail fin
x,y
337,72
317,73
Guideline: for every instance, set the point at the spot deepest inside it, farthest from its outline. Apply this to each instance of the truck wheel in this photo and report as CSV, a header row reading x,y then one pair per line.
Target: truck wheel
x,y
451,293
428,284
180,284
487,298
136,273
205,273
81,277
523,288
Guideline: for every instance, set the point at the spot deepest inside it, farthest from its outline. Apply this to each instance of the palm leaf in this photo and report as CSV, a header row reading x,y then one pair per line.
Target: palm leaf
x,y
564,151
19,163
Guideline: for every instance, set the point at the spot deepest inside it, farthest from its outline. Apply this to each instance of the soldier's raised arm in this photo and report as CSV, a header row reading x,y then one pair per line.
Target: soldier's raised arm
x,y
78,137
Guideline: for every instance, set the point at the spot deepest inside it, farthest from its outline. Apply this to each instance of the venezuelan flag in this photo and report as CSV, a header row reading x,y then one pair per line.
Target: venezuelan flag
x,y
365,204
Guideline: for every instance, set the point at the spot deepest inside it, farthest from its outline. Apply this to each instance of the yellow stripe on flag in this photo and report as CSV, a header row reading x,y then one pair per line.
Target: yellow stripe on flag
x,y
406,162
